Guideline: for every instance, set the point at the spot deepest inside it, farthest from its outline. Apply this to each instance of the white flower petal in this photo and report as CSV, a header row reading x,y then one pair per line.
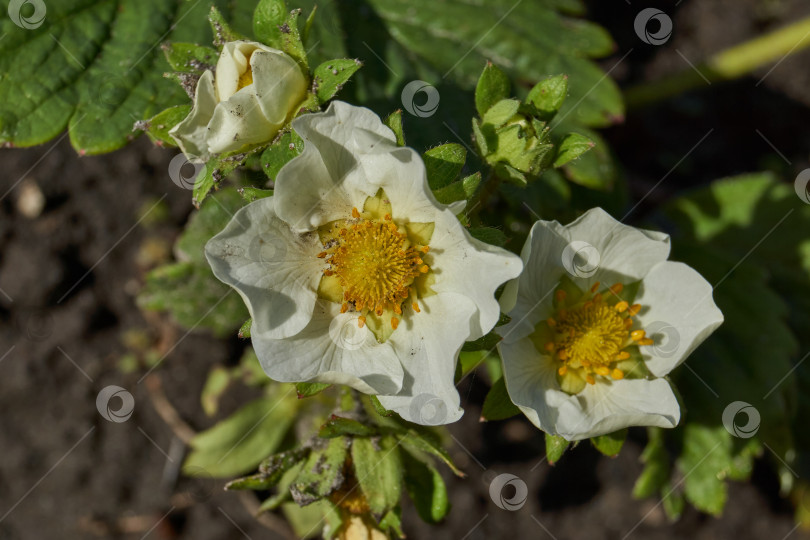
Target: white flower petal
x,y
335,141
678,313
191,132
428,347
232,63
238,122
332,349
599,409
530,296
625,253
278,84
276,271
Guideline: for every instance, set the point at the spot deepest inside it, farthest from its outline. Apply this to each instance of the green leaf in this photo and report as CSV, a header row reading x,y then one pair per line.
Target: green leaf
x,y
657,466
309,389
674,501
378,470
190,57
459,191
493,86
338,426
394,121
705,460
418,443
244,330
392,522
251,194
291,40
426,489
498,405
611,443
267,18
501,112
282,489
330,76
555,448
571,147
222,31
157,127
548,96
322,473
484,343
288,145
510,174
444,163
489,235
530,41
271,471
219,378
241,441
378,407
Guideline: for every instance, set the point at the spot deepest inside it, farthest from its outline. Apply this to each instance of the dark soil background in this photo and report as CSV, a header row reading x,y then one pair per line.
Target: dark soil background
x,y
69,274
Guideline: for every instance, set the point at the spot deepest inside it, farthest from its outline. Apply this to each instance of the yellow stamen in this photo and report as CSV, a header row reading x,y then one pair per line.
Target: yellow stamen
x,y
590,379
562,371
361,321
645,341
344,307
634,309
355,213
394,323
617,374
595,287
624,355
621,306
616,288
415,307
637,335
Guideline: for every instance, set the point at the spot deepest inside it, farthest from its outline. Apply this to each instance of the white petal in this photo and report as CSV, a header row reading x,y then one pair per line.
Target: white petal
x,y
191,132
276,271
532,293
678,313
624,253
237,122
232,63
278,84
428,344
599,409
335,140
332,349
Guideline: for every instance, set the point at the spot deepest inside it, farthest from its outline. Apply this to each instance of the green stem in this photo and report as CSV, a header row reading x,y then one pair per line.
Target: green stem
x,y
725,65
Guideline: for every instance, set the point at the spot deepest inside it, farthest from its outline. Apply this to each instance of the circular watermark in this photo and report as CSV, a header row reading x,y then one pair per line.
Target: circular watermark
x,y
666,338
750,428
409,93
105,408
345,332
517,500
35,324
184,172
198,484
642,26
267,249
802,186
35,14
110,90
428,410
580,259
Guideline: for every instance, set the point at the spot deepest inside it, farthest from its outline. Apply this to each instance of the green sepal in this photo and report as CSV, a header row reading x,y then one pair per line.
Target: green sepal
x,y
459,191
444,163
309,389
190,57
572,146
223,33
338,426
286,146
291,40
394,122
330,76
498,405
547,96
493,86
555,448
251,194
322,473
378,469
610,444
268,17
158,127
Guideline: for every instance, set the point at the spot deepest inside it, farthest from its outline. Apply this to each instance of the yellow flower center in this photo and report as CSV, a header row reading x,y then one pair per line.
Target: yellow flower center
x,y
592,335
372,263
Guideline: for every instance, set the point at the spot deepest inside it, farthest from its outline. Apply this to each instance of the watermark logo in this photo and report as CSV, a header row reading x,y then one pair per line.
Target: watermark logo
x,y
345,331
409,93
643,22
666,339
184,172
34,17
802,186
430,410
106,409
35,324
517,500
730,414
580,259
